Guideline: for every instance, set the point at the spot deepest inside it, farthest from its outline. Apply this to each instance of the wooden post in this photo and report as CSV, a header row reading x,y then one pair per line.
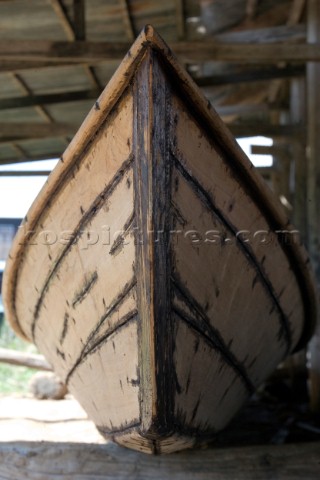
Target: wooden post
x,y
298,147
298,184
313,186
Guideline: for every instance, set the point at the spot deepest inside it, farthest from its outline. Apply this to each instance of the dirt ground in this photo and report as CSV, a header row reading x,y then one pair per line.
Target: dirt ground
x,y
28,419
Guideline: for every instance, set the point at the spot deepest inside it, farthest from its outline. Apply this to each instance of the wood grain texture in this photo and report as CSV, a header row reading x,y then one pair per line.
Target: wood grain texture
x,y
160,306
105,462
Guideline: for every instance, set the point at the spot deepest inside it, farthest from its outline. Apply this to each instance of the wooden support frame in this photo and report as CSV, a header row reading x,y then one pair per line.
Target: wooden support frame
x,y
79,26
34,460
26,89
296,12
180,19
47,99
276,150
252,75
51,52
63,16
12,132
127,19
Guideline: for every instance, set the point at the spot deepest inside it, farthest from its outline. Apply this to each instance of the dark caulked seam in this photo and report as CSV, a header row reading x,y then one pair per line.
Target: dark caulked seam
x,y
133,425
112,307
206,200
212,336
91,346
68,173
120,238
90,213
79,297
123,322
64,328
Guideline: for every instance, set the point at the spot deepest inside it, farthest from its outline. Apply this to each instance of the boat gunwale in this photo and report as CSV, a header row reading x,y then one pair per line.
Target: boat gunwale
x,y
269,205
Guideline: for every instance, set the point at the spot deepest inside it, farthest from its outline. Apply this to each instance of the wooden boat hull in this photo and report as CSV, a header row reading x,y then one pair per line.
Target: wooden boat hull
x,y
155,271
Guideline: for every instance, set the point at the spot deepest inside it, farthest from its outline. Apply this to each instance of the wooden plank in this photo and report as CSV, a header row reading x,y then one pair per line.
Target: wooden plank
x,y
48,99
276,150
105,462
268,130
252,75
298,149
282,33
313,191
95,52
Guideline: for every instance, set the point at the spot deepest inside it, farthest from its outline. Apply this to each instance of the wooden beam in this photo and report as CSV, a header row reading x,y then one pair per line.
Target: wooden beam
x,y
48,99
127,19
280,33
298,149
296,12
93,94
15,131
79,27
180,19
252,75
24,173
52,460
95,52
313,186
23,359
20,151
63,16
313,108
18,131
38,108
247,108
292,21
268,130
274,150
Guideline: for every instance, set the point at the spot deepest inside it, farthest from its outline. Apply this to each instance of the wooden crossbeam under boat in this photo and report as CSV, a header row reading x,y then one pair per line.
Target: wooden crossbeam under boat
x,y
156,271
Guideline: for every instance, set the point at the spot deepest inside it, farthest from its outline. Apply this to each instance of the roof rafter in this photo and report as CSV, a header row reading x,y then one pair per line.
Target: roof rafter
x,y
47,99
27,90
11,132
180,19
127,19
64,18
96,52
